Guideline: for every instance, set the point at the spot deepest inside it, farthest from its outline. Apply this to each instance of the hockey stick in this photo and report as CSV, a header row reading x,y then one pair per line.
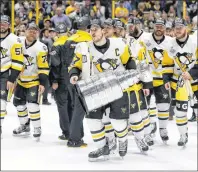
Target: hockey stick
x,y
40,98
187,85
10,92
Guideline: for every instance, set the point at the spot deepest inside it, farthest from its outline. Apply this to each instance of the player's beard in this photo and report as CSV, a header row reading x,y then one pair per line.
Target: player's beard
x,y
3,31
135,32
182,35
159,33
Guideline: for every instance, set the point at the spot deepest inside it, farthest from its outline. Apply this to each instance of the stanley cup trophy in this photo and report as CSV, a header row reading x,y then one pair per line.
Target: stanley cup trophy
x,y
106,87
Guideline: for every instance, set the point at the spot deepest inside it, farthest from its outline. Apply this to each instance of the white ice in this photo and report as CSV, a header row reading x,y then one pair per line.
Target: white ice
x,y
53,154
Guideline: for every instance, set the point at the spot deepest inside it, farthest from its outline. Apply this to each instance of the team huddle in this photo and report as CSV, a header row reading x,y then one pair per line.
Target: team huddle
x,y
173,80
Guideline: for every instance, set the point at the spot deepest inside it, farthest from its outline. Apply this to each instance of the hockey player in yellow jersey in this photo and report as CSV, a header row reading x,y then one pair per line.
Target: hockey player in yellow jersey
x,y
11,63
183,53
30,84
136,32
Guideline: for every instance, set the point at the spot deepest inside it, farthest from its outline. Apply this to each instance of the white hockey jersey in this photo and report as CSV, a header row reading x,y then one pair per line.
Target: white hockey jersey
x,y
184,55
157,55
35,63
11,55
116,55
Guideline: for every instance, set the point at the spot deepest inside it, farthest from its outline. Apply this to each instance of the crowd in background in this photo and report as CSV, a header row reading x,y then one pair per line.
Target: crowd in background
x,y
52,12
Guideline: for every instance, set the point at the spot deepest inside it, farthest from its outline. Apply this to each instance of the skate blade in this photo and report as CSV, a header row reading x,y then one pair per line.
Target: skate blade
x,y
113,152
165,142
144,152
37,139
22,135
100,159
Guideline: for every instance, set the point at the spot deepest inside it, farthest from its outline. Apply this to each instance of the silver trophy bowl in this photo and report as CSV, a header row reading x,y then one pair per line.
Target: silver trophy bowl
x,y
104,88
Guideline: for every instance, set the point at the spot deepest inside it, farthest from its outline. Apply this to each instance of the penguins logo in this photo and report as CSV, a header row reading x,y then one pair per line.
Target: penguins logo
x,y
156,56
107,64
184,59
3,52
28,60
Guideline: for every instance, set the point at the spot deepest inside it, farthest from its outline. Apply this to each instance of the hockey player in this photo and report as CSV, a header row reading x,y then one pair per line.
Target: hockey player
x,y
110,54
119,27
156,44
183,52
30,85
138,53
109,30
107,54
11,63
136,32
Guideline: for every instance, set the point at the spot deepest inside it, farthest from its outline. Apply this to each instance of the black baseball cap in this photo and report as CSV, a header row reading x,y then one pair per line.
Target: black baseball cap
x,y
5,19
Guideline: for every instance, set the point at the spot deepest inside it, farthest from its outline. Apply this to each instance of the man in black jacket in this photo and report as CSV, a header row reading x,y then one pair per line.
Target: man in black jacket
x,y
59,80
76,127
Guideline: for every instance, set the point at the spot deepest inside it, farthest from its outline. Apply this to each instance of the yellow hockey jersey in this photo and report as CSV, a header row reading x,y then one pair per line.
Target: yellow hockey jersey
x,y
11,54
35,63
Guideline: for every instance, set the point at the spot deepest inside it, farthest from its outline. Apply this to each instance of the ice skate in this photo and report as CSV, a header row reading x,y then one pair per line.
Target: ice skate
x,y
37,133
153,129
164,135
183,140
112,145
149,140
123,148
142,145
22,131
101,152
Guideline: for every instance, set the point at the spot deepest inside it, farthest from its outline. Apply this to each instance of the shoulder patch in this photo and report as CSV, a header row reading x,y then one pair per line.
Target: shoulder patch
x,y
53,53
45,48
19,40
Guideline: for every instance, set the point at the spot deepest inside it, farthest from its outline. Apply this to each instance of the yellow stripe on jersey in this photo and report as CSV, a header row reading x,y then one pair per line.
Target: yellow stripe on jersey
x,y
77,61
17,57
6,67
182,94
42,63
125,56
28,84
195,87
135,87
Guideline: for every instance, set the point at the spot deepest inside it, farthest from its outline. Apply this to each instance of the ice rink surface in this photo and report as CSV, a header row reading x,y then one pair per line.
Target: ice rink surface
x,y
53,154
